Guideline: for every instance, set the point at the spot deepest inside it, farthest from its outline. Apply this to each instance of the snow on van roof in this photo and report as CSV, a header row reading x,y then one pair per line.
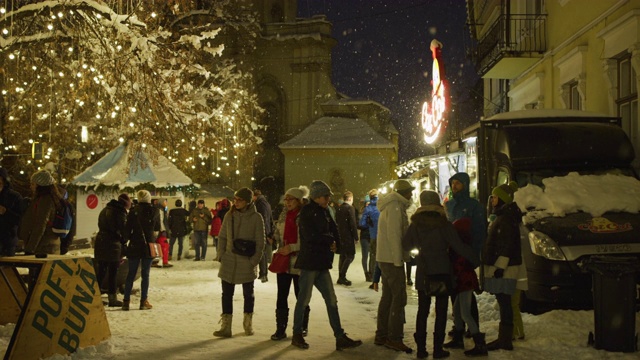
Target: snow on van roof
x,y
545,113
593,194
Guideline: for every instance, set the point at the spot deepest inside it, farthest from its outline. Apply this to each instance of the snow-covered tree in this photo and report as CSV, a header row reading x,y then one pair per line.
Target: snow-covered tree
x,y
80,76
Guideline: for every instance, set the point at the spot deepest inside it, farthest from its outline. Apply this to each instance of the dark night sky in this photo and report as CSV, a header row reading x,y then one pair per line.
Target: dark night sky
x,y
383,55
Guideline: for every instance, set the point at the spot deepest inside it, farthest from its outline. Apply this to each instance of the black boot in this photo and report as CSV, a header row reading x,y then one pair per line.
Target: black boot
x,y
421,344
282,317
438,352
481,346
305,321
457,342
503,342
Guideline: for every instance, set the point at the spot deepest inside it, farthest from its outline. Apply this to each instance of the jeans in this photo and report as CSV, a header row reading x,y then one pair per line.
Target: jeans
x,y
200,241
173,242
394,298
227,297
364,248
372,256
322,281
424,303
344,262
462,312
144,275
110,269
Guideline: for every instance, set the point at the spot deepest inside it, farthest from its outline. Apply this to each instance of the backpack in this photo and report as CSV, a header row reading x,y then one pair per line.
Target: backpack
x,y
63,220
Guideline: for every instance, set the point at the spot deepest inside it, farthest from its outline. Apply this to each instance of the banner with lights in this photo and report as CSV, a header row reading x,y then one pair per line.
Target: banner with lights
x,y
434,121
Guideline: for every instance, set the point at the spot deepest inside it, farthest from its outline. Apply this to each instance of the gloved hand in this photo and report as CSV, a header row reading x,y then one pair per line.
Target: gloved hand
x,y
498,274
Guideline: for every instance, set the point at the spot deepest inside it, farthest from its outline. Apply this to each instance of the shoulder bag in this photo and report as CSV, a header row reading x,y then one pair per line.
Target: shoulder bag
x,y
242,247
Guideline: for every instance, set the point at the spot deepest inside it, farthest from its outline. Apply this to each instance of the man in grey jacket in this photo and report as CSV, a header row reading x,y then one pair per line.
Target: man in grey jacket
x,y
392,225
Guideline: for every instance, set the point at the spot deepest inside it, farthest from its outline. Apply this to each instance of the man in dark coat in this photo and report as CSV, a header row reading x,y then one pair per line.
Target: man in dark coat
x,y
109,243
178,220
264,209
318,236
346,219
10,214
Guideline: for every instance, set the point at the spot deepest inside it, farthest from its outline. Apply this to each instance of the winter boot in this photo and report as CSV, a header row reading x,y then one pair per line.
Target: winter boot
x,y
367,276
145,305
282,317
225,328
344,342
298,341
481,346
247,323
113,301
503,342
125,305
457,341
421,344
438,352
305,321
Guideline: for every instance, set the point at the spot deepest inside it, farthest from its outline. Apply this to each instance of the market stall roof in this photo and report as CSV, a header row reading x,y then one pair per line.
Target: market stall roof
x,y
123,168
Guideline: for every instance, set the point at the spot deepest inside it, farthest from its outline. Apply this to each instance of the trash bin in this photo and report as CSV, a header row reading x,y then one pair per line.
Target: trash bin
x,y
614,302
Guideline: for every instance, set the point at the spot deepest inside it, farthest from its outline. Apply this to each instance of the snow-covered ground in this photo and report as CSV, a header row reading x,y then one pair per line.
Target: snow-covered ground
x,y
187,307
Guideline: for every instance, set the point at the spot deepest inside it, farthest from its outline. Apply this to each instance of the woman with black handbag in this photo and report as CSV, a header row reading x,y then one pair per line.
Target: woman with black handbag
x,y
240,245
143,226
432,234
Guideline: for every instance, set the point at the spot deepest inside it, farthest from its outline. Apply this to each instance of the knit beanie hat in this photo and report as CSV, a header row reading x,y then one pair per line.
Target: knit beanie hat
x,y
402,186
319,188
144,196
299,193
505,192
42,178
125,200
245,194
429,197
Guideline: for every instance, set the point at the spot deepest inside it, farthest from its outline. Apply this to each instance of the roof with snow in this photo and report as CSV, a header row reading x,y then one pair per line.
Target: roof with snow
x,y
121,167
337,133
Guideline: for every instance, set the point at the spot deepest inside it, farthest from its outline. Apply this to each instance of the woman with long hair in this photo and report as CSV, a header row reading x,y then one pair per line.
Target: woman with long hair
x,y
143,226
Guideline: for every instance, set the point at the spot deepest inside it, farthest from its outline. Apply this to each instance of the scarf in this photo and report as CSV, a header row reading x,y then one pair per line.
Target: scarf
x,y
290,227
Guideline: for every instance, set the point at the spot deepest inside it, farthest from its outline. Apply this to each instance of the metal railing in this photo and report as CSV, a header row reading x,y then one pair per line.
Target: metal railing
x,y
514,35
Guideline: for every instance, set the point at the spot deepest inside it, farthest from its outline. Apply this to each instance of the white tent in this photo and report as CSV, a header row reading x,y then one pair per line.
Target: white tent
x,y
122,168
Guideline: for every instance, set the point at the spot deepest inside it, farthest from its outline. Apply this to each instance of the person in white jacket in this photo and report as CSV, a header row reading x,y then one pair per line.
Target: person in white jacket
x,y
392,225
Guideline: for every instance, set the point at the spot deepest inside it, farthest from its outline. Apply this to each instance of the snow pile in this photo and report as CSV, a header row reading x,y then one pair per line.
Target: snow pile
x,y
593,194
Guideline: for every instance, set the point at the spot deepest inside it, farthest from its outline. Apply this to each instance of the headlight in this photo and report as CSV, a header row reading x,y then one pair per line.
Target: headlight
x,y
544,246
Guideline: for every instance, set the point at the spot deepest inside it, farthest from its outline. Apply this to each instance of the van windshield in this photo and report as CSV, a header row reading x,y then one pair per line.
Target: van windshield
x,y
535,177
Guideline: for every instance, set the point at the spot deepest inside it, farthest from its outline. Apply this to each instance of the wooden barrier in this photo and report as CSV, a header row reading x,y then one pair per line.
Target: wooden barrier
x,y
57,314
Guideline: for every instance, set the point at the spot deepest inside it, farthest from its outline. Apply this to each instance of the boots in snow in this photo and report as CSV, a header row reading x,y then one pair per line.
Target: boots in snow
x,y
481,346
145,305
457,341
113,301
438,352
421,344
247,323
298,341
125,305
282,317
225,328
344,342
503,342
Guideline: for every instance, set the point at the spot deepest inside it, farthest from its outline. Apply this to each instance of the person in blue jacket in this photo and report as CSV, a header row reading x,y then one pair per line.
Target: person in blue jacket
x,y
462,205
369,219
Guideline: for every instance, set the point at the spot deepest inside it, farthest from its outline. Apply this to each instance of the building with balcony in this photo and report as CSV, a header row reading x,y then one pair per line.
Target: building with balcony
x,y
560,54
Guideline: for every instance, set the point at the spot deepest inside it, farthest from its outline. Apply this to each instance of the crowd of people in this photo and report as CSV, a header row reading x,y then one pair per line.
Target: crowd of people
x,y
449,244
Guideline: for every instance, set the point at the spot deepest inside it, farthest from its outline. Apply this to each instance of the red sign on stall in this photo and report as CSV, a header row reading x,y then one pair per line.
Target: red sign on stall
x,y
92,201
